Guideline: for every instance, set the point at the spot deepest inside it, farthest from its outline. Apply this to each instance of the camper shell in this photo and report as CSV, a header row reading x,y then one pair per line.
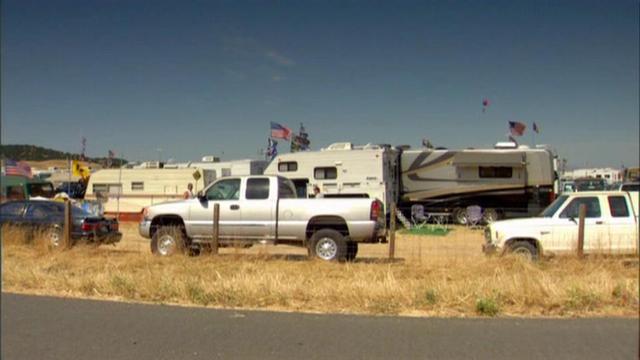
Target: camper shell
x,y
342,170
16,187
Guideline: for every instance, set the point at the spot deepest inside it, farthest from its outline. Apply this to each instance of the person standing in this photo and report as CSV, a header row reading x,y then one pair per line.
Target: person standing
x,y
316,192
189,193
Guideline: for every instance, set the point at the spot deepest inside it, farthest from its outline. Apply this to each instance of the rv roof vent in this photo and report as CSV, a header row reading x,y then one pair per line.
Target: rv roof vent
x,y
403,147
369,146
339,146
210,159
506,145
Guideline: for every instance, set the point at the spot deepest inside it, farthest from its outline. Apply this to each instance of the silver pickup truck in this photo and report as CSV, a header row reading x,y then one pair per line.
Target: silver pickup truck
x,y
264,209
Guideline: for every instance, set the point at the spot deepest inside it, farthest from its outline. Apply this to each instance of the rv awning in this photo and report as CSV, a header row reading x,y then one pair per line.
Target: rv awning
x,y
487,159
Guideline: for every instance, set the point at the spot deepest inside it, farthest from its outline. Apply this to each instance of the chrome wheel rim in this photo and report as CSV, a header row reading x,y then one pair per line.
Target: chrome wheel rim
x,y
54,237
524,253
461,217
326,248
166,245
490,216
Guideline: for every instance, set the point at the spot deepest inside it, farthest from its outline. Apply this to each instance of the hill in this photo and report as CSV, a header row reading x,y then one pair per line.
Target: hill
x,y
38,153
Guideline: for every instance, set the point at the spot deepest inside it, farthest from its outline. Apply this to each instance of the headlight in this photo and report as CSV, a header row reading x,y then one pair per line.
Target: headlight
x,y
487,234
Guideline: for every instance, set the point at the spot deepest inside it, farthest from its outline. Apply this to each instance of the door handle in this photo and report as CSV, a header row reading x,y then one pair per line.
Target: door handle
x,y
234,207
599,223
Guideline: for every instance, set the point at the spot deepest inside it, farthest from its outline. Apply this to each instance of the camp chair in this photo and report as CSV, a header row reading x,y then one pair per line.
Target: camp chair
x,y
474,215
417,216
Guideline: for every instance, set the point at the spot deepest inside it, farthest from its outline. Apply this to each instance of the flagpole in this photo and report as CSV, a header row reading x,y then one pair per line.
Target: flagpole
x,y
119,189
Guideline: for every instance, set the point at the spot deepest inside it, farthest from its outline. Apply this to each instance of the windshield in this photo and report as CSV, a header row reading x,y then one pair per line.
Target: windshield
x,y
551,209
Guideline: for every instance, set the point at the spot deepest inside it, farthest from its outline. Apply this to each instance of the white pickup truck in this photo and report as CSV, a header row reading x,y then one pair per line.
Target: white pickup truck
x,y
611,227
264,209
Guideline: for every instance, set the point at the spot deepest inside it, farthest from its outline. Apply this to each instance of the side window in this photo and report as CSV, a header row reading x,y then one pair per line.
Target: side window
x,y
15,192
42,211
137,186
257,189
224,190
12,209
618,206
288,166
285,191
572,210
324,173
100,188
502,172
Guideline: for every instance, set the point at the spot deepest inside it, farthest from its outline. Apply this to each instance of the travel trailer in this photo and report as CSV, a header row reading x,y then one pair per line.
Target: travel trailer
x,y
125,192
342,170
505,181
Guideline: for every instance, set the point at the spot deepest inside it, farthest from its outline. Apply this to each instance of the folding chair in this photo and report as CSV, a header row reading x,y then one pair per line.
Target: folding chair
x,y
474,216
417,216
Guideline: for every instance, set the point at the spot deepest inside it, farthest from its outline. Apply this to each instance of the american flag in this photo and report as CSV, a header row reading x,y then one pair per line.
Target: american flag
x,y
20,168
280,132
516,128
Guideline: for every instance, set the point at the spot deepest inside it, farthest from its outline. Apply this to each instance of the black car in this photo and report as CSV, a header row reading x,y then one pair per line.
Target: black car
x,y
49,215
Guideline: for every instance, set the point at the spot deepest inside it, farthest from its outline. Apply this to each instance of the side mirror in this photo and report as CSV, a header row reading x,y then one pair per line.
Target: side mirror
x,y
201,196
573,220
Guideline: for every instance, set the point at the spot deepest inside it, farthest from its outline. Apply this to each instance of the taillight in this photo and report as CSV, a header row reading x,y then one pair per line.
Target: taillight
x,y
88,226
376,210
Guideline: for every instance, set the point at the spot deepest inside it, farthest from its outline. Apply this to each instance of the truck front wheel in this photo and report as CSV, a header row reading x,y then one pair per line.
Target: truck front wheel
x,y
167,241
329,245
525,249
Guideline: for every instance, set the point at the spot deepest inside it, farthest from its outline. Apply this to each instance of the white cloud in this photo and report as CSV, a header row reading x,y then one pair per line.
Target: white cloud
x,y
279,59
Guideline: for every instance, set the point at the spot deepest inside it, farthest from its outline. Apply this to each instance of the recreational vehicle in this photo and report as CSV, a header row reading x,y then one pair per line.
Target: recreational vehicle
x,y
505,181
342,170
125,192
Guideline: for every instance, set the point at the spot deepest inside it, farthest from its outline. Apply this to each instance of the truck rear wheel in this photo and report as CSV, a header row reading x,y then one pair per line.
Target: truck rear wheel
x,y
460,216
329,245
167,241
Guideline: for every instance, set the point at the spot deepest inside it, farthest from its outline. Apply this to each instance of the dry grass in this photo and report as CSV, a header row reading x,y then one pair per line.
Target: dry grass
x,y
440,276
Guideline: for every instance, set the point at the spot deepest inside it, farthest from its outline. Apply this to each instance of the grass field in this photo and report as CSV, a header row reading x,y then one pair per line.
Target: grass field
x,y
432,276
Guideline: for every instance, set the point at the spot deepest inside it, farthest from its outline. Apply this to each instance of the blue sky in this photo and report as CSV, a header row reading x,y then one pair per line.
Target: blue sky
x,y
206,77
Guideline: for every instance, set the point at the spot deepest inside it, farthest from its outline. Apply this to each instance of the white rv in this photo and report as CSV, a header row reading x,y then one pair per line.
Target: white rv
x,y
342,170
125,192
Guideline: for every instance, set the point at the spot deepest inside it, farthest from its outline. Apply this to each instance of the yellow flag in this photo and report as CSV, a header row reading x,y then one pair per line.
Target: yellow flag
x,y
75,168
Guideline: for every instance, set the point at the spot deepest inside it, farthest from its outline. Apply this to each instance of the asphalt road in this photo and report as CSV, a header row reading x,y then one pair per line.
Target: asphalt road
x,y
53,328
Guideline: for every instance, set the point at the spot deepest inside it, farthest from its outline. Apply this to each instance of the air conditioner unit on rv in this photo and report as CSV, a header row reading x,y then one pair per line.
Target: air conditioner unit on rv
x,y
339,146
210,159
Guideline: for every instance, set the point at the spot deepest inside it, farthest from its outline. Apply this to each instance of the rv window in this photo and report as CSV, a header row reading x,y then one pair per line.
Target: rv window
x,y
257,189
100,188
137,186
502,172
288,166
323,173
115,189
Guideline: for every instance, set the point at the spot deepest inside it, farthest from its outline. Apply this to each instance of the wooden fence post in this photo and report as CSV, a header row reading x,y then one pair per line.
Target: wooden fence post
x,y
68,225
392,232
216,229
582,212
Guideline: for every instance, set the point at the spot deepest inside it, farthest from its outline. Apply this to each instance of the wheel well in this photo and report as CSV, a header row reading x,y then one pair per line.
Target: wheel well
x,y
327,222
166,220
531,241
